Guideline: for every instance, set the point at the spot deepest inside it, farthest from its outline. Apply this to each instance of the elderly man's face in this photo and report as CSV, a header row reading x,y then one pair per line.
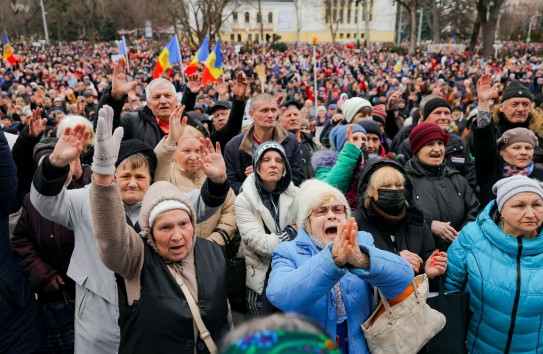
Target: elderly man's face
x,y
516,109
162,101
291,119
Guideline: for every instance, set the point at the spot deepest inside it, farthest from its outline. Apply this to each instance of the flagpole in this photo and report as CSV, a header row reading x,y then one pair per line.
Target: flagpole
x,y
315,74
180,60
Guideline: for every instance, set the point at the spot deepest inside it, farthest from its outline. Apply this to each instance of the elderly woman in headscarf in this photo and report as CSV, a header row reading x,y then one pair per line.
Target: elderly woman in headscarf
x,y
162,271
498,260
265,214
327,272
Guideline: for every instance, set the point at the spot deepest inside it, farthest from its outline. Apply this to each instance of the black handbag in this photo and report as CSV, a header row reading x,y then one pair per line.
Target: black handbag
x,y
452,338
236,271
59,325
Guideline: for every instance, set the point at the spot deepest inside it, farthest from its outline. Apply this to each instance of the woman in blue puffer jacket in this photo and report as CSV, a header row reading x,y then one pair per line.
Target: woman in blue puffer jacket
x,y
327,271
498,259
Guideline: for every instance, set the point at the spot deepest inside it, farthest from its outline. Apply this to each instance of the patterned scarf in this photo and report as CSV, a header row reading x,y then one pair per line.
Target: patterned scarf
x,y
510,170
340,305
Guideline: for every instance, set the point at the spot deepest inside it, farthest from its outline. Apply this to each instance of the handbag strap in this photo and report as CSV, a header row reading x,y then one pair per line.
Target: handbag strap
x,y
204,333
416,291
227,246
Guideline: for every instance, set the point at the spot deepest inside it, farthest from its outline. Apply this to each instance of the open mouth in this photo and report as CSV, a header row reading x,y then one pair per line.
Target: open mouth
x,y
331,231
177,249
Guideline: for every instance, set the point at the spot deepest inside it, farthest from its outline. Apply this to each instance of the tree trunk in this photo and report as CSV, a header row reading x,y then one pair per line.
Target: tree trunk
x,y
475,34
436,35
489,30
413,31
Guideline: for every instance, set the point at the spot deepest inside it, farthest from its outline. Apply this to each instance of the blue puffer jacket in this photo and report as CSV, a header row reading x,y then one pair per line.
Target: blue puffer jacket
x,y
302,281
504,276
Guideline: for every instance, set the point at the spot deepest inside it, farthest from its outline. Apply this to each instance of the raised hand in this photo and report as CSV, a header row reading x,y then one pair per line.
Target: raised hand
x,y
69,146
355,257
221,87
119,85
340,249
177,125
36,125
211,161
394,97
239,87
336,118
106,147
436,264
413,259
485,90
195,83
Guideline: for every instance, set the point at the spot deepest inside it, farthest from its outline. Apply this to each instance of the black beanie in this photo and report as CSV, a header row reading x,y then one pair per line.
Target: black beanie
x,y
433,104
515,89
134,146
44,148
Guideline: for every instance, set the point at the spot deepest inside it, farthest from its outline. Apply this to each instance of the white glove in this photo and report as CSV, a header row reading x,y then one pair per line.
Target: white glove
x,y
106,147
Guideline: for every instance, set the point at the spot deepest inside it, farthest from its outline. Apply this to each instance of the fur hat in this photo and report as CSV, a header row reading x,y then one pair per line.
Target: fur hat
x,y
507,187
432,104
352,106
425,132
517,135
516,89
314,193
338,136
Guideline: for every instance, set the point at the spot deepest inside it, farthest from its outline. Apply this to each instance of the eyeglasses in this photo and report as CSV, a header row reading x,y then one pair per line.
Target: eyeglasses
x,y
338,209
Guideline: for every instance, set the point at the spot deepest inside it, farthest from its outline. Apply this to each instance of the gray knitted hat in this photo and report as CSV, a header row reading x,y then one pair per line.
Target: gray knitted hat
x,y
508,187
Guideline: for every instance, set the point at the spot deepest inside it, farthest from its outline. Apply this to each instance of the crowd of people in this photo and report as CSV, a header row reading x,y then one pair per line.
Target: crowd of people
x,y
123,197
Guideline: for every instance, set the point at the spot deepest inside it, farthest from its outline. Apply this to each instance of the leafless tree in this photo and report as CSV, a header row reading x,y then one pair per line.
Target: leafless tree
x,y
411,6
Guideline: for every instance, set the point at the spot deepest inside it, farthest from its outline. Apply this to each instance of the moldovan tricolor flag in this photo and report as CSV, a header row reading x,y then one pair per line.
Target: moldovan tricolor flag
x,y
200,57
8,52
169,55
213,65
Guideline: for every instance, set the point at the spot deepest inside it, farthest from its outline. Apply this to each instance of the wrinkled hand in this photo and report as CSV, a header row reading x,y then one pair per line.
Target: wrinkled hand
x,y
239,87
69,146
36,125
436,264
444,230
53,283
177,125
195,83
355,257
106,148
340,249
413,259
211,161
76,168
336,118
485,90
119,85
394,97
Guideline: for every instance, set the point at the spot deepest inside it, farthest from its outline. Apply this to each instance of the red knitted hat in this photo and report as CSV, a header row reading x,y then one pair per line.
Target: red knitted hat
x,y
425,132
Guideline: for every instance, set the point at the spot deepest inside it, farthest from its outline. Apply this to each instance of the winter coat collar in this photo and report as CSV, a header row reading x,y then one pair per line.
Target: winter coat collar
x,y
279,135
421,169
535,120
508,244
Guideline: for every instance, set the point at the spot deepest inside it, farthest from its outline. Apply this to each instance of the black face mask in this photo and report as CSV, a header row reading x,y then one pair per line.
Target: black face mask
x,y
392,199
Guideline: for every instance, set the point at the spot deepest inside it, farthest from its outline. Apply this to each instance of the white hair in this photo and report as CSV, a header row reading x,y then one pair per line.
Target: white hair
x,y
70,121
156,82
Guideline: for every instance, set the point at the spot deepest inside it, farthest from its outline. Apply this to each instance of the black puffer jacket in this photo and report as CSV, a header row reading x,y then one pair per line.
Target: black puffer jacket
x,y
411,233
456,157
442,194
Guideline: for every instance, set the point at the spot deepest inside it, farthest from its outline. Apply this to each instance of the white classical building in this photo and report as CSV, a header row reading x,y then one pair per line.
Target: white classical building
x,y
317,18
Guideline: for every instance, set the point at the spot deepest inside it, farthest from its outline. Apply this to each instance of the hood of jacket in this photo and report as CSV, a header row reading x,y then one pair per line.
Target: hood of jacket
x,y
506,243
158,192
285,180
373,166
535,121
